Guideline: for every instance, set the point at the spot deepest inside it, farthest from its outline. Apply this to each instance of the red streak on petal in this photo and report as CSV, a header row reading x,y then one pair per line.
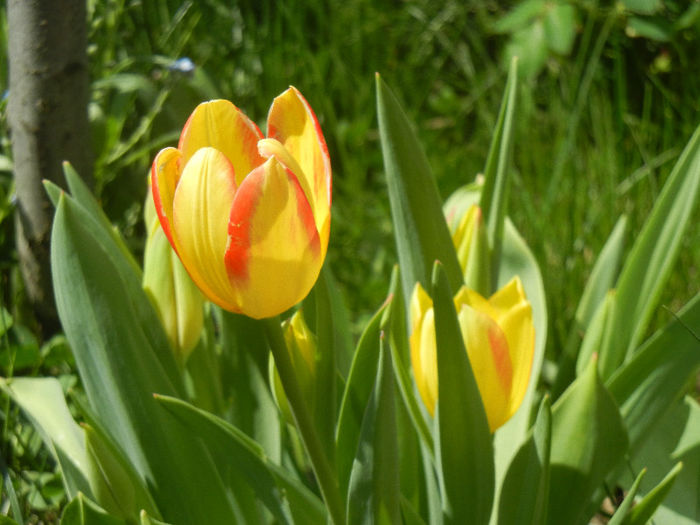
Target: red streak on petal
x,y
239,226
501,357
158,202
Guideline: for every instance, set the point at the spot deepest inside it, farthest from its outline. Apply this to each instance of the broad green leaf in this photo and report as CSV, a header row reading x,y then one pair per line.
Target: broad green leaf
x,y
463,441
358,390
645,509
373,496
588,441
42,401
409,513
102,309
560,23
643,6
621,514
325,404
5,321
647,385
398,343
523,496
245,356
676,439
82,195
655,250
494,195
603,276
115,484
82,511
238,455
520,16
654,28
420,231
600,339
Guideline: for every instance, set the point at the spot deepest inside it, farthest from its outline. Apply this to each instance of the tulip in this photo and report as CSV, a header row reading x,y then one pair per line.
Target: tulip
x,y
248,216
176,298
500,340
301,344
472,246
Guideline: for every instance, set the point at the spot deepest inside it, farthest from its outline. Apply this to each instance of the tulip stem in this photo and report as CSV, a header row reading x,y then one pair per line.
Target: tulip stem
x,y
325,476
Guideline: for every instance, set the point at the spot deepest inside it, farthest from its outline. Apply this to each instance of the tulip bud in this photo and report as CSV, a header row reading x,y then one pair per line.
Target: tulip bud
x,y
499,336
471,242
301,344
177,299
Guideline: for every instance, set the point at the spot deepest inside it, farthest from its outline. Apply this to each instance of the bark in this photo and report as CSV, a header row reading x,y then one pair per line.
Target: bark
x,y
47,113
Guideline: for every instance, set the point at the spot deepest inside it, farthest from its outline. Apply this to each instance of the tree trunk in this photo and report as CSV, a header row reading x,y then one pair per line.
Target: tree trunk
x,y
47,113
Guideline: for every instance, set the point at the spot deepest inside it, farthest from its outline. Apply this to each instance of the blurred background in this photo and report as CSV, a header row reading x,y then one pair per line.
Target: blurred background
x,y
610,94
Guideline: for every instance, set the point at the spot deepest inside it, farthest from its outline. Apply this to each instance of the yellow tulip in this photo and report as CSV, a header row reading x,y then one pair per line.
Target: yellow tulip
x,y
248,216
500,339
176,298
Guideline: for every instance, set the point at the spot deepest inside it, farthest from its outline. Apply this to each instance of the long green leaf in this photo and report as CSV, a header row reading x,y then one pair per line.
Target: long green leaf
x,y
99,302
588,442
373,496
82,511
463,441
647,385
494,196
358,390
523,496
43,403
654,253
621,514
420,230
240,456
645,509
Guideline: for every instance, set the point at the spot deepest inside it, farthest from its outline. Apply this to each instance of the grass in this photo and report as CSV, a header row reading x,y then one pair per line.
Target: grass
x,y
598,129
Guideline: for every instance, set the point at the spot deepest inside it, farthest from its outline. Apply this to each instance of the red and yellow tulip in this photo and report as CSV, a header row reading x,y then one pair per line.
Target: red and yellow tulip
x,y
500,339
248,215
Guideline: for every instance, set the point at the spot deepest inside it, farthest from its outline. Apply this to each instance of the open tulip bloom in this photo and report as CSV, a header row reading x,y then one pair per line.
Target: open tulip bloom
x,y
500,339
248,215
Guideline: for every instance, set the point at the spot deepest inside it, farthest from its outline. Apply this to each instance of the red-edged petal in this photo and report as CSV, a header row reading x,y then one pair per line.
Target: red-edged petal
x,y
221,125
274,252
165,175
292,122
201,208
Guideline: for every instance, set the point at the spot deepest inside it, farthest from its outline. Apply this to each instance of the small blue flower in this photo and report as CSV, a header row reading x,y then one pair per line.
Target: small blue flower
x,y
182,65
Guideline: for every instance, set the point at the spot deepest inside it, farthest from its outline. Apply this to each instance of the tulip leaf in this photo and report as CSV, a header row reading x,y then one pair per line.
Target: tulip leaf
x,y
647,385
420,230
373,495
115,484
398,343
603,276
43,402
494,195
621,514
82,511
588,441
523,495
148,520
651,260
517,259
245,355
645,509
409,513
676,439
104,312
239,455
358,390
463,441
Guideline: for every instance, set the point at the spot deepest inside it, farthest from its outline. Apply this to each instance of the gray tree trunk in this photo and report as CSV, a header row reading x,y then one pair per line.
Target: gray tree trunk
x,y
47,113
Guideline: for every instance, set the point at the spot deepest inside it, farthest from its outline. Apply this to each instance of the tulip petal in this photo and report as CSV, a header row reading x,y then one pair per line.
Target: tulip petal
x,y
424,347
274,252
201,209
221,125
292,122
165,175
489,357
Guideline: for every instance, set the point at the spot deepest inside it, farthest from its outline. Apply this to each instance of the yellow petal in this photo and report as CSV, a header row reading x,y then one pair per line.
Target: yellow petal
x,y
221,125
165,175
424,347
292,122
274,252
201,211
462,236
490,361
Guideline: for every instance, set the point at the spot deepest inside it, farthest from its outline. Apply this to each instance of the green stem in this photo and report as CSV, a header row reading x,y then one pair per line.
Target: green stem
x,y
319,461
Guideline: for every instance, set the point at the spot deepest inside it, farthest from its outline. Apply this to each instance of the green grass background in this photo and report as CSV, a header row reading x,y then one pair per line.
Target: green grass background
x,y
607,102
